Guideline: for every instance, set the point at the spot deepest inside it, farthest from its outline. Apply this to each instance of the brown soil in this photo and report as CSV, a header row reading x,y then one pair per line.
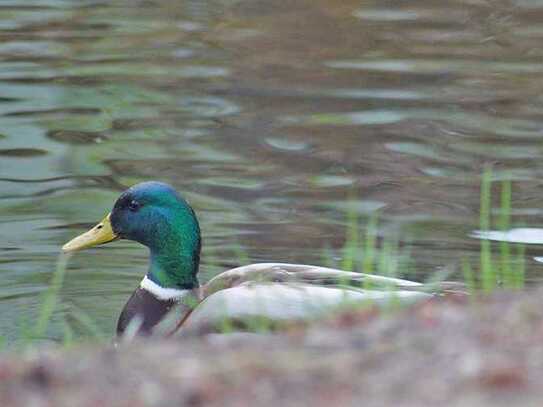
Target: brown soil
x,y
445,352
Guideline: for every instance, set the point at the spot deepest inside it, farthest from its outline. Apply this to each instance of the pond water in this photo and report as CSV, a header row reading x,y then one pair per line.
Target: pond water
x,y
273,118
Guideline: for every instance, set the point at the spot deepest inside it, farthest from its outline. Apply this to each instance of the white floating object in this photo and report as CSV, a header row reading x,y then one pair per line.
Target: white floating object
x,y
519,235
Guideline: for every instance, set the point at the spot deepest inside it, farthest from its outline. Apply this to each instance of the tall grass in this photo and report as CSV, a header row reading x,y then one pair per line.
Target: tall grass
x,y
508,271
487,272
364,252
50,297
33,332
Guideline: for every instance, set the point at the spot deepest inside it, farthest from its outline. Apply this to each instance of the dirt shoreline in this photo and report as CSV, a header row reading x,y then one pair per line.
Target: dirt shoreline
x,y
446,352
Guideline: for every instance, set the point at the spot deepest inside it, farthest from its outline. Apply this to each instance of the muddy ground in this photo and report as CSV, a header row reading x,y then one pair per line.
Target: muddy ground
x,y
445,352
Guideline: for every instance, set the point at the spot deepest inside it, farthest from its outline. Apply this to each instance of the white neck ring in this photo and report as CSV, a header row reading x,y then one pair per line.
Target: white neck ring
x,y
160,292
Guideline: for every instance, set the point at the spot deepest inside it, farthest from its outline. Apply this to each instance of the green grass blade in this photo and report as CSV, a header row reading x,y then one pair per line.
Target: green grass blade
x,y
351,239
504,225
370,244
488,275
241,255
50,297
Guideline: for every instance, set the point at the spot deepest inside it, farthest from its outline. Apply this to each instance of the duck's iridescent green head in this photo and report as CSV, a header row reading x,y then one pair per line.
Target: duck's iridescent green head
x,y
155,215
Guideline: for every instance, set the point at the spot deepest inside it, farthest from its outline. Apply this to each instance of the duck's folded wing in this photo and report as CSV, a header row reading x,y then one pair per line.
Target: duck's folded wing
x,y
262,306
284,272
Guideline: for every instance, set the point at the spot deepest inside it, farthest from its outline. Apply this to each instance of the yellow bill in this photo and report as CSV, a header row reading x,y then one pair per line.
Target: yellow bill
x,y
99,234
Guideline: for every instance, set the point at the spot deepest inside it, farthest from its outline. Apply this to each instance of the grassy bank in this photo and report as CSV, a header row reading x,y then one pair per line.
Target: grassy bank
x,y
437,353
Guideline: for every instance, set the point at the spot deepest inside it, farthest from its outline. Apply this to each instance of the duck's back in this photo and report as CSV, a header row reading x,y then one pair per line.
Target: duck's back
x,y
262,306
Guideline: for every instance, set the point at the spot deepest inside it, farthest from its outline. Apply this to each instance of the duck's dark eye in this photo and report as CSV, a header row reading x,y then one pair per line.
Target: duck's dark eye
x,y
134,205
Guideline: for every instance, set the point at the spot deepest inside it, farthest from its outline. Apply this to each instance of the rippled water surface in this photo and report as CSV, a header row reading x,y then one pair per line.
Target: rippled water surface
x,y
272,117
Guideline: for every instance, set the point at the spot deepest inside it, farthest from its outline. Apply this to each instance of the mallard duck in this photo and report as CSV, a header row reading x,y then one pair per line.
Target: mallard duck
x,y
157,216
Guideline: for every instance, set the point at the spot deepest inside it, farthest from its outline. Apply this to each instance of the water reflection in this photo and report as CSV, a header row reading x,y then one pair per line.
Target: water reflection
x,y
269,119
